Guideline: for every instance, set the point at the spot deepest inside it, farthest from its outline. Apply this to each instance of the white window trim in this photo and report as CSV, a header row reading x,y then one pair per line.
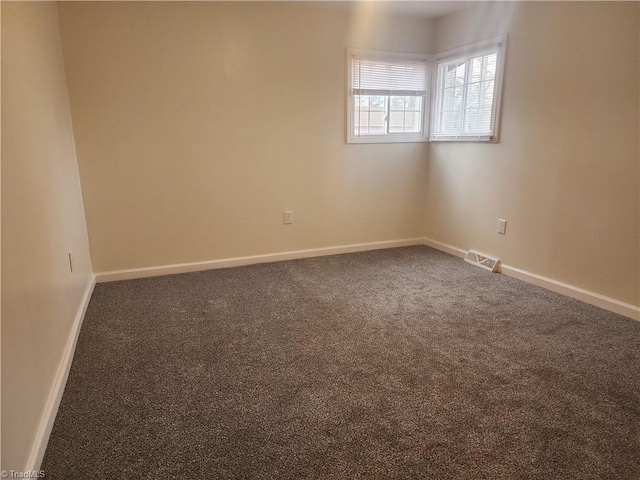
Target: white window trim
x,y
394,137
463,52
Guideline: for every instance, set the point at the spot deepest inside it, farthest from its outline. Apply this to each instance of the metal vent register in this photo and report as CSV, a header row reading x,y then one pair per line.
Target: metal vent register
x,y
481,260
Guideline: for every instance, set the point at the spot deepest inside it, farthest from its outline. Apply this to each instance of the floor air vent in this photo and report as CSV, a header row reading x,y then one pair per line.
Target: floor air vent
x,y
482,261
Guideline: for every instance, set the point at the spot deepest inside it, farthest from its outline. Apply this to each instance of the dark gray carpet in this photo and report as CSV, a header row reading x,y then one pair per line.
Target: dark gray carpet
x,y
402,363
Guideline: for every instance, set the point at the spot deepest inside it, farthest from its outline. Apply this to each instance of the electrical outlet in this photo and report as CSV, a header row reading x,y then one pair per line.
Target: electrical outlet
x,y
502,226
288,217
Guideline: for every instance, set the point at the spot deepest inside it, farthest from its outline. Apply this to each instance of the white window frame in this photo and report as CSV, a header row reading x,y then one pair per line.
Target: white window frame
x,y
465,53
423,135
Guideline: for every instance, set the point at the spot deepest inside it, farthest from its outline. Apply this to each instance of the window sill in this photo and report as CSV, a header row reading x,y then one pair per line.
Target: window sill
x,y
387,139
465,138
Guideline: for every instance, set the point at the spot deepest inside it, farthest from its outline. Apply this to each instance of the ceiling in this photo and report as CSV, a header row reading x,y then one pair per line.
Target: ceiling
x,y
424,8
419,8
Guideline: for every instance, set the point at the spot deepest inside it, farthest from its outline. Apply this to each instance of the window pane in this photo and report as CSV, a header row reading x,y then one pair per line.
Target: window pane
x,y
449,76
484,119
460,73
471,121
449,122
361,101
412,122
397,103
395,122
378,102
395,114
457,99
447,99
478,120
475,75
486,92
369,115
361,114
376,122
361,123
473,96
454,74
465,100
489,66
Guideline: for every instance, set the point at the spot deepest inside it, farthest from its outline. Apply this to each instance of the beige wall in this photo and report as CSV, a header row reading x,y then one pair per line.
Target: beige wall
x,y
566,171
197,124
42,220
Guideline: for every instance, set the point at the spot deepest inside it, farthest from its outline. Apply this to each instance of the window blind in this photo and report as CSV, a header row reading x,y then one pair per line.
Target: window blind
x,y
465,100
389,77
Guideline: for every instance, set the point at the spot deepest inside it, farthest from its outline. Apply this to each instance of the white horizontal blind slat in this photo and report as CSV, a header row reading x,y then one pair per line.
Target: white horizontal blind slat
x,y
395,93
389,76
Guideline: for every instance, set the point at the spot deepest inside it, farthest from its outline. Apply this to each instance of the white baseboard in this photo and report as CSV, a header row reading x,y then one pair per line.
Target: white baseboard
x,y
250,260
593,298
443,247
578,293
53,402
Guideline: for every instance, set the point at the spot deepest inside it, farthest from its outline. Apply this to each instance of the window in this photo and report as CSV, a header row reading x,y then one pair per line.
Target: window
x,y
467,93
390,99
387,97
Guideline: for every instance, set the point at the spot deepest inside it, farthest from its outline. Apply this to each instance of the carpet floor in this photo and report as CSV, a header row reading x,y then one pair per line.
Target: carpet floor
x,y
393,364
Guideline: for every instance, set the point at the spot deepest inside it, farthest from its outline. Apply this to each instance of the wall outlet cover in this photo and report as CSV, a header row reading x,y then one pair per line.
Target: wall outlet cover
x,y
502,226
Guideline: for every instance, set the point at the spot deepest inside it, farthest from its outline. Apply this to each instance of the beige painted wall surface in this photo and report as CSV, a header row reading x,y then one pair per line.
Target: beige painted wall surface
x,y
565,174
42,220
197,124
